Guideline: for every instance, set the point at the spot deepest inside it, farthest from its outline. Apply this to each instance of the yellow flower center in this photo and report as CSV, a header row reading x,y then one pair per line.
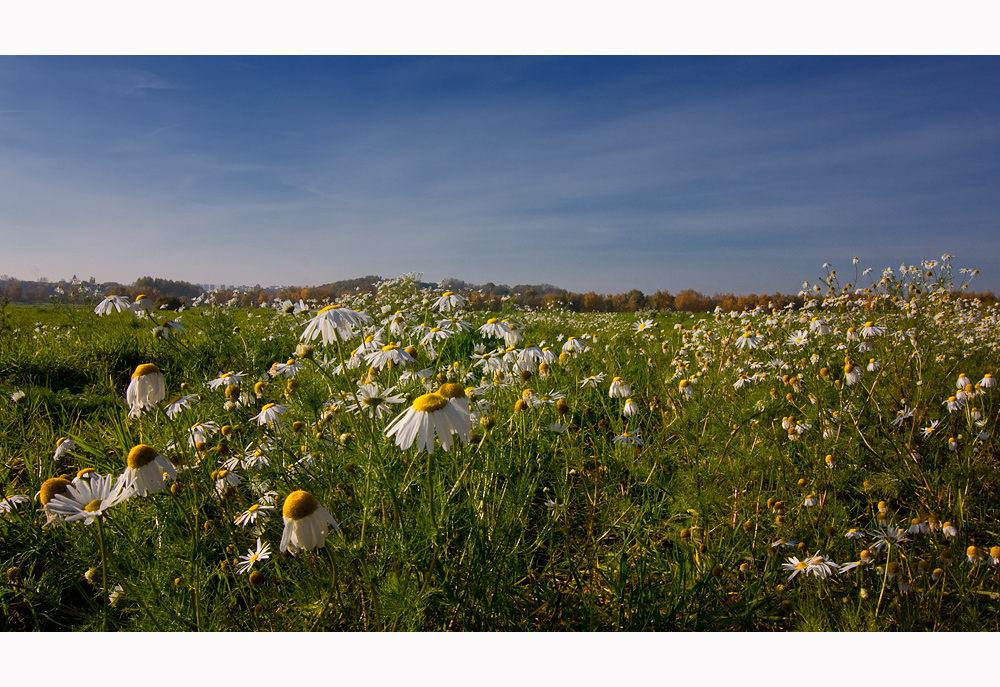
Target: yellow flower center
x,y
684,384
801,565
51,487
84,473
430,403
141,455
145,369
253,508
390,347
451,390
93,506
267,407
299,504
447,293
329,308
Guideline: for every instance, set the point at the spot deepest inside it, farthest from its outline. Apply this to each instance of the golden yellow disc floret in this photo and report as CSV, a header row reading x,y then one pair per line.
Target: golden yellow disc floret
x,y
141,455
51,487
430,403
299,504
145,369
451,390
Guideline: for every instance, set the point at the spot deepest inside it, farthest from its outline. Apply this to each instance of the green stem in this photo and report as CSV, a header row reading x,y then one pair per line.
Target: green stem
x,y
104,575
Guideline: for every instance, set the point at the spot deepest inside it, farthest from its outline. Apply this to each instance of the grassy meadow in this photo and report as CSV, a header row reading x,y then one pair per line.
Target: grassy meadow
x,y
830,467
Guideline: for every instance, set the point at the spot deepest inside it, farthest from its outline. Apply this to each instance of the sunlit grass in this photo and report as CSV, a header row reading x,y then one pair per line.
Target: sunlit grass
x,y
776,469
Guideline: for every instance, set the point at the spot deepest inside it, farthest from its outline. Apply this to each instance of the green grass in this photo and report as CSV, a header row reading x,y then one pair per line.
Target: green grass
x,y
522,528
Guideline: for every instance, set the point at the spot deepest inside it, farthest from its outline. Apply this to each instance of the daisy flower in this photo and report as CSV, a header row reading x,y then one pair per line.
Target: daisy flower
x,y
494,328
390,354
112,304
146,389
146,469
288,369
88,499
987,381
642,325
629,438
573,345
799,338
262,553
448,301
306,523
174,408
142,305
871,329
852,374
749,340
334,323
227,379
270,414
949,530
374,401
619,389
250,515
11,502
430,414
816,565
686,390
63,446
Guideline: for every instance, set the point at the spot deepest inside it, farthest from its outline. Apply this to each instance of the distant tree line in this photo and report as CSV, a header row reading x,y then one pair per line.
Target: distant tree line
x,y
485,297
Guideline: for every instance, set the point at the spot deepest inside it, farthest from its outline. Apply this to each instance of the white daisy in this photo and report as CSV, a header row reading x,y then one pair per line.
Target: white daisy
x,y
334,323
112,304
430,414
262,553
250,515
146,469
88,499
146,389
306,523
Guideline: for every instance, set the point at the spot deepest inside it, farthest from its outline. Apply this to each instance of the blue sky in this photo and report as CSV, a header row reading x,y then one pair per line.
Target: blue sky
x,y
591,173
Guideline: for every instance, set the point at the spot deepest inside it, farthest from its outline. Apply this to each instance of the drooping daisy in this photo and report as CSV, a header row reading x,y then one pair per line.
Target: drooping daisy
x,y
306,523
146,389
112,303
334,323
174,408
459,400
448,301
146,469
270,414
852,374
573,345
88,499
871,329
494,328
11,502
430,414
619,389
987,381
262,553
687,391
142,305
949,530
63,446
